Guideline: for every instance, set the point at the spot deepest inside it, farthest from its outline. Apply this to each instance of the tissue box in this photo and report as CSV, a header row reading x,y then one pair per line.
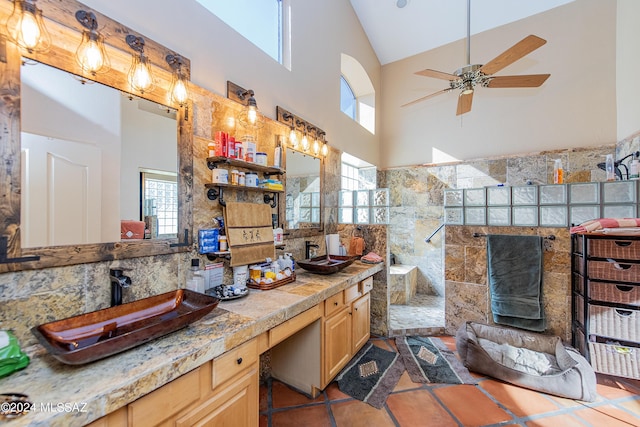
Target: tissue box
x,y
130,229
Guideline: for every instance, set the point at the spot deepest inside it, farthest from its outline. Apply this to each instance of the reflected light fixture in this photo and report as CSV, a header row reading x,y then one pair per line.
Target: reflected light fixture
x,y
179,82
26,28
91,54
140,76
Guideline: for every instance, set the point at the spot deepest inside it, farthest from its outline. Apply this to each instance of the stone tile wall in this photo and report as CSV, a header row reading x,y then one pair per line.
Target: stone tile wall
x,y
416,196
467,290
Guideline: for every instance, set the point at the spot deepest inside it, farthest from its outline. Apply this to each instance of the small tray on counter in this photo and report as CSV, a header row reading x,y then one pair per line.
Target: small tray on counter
x,y
219,292
275,284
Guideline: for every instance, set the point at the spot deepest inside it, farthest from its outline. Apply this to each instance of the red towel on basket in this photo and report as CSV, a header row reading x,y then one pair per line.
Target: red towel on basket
x,y
602,223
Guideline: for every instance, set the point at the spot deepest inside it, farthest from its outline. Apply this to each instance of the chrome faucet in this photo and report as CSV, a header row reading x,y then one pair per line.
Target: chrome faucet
x,y
307,248
118,281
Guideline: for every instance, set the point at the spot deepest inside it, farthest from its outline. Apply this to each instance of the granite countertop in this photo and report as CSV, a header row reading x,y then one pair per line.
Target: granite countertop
x,y
64,395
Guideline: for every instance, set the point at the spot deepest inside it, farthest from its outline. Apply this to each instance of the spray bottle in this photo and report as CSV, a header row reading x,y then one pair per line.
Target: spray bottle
x,y
558,172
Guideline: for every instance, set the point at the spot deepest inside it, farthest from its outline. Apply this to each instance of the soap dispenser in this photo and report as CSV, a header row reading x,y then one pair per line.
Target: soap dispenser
x,y
634,166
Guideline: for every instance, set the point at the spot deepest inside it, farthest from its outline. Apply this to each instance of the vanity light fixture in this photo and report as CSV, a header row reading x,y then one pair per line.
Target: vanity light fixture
x,y
26,28
91,54
140,76
250,116
179,82
318,149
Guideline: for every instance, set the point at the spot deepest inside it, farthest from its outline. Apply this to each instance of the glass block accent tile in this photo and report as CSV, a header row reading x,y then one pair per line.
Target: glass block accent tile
x,y
526,195
553,194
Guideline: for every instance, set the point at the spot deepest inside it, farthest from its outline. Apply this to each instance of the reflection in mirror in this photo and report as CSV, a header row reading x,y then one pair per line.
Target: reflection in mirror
x,y
92,157
303,191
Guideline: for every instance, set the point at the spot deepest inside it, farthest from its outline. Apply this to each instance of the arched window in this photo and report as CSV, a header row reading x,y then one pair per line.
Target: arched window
x,y
357,96
347,99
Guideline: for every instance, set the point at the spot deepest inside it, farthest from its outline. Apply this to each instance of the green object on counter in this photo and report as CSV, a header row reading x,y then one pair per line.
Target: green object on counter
x,y
12,358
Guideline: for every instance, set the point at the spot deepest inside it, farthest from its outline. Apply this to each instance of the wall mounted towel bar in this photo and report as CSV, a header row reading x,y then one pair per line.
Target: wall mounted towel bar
x,y
549,237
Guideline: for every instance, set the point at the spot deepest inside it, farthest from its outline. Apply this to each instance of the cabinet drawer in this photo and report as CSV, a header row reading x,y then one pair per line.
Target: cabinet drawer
x,y
352,293
367,285
333,304
614,322
618,249
166,401
622,361
233,362
612,270
611,292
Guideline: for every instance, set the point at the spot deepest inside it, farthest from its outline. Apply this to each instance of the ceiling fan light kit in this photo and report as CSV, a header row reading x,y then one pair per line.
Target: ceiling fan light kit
x,y
468,77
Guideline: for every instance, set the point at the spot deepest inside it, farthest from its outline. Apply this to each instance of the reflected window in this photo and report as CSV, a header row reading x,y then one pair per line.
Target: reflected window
x,y
159,204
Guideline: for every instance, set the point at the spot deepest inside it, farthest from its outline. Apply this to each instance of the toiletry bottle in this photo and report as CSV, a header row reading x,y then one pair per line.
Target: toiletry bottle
x,y
195,279
611,175
277,156
211,149
558,172
634,167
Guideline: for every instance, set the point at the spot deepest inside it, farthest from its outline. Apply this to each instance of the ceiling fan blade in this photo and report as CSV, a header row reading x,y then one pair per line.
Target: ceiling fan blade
x,y
528,80
426,97
464,102
511,55
436,74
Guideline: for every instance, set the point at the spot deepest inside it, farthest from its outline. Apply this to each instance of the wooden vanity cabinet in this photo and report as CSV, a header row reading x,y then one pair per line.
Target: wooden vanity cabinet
x,y
347,327
222,392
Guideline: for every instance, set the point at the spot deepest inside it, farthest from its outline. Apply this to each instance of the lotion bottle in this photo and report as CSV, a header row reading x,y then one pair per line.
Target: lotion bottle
x,y
611,175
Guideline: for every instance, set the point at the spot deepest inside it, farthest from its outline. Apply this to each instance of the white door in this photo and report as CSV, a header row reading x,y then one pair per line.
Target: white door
x,y
57,206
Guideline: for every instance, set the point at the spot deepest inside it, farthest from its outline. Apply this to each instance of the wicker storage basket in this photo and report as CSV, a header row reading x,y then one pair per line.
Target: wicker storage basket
x,y
614,322
611,292
620,271
618,249
615,360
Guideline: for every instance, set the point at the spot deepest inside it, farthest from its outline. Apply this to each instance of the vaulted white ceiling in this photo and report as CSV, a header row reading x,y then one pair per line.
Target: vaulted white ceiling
x,y
421,25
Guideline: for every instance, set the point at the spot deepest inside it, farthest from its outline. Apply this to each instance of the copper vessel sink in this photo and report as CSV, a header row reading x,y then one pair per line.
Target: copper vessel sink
x,y
326,265
92,336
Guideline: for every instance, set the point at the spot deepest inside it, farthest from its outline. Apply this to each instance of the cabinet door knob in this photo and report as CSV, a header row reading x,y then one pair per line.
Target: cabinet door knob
x,y
335,303
239,361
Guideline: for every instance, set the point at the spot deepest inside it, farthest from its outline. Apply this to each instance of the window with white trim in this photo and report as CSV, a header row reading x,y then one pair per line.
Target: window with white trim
x,y
265,23
357,95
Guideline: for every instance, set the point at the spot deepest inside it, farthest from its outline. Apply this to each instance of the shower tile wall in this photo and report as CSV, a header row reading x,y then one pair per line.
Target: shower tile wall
x,y
416,210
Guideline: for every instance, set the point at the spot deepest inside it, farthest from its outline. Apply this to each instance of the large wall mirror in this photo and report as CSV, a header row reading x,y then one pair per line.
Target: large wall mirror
x,y
303,195
95,161
85,152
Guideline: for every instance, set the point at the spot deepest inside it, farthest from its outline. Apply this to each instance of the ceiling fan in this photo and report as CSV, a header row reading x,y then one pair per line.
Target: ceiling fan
x,y
472,75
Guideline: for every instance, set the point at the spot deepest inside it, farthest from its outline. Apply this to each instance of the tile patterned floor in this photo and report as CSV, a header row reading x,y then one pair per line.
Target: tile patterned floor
x,y
424,315
490,403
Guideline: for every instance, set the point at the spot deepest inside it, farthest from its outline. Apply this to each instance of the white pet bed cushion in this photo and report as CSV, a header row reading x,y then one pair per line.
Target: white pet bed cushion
x,y
527,359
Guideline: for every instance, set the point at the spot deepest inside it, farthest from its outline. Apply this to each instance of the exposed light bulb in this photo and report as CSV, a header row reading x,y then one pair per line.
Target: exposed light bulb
x,y
293,138
179,92
325,149
316,147
305,143
140,76
26,27
91,54
30,30
252,114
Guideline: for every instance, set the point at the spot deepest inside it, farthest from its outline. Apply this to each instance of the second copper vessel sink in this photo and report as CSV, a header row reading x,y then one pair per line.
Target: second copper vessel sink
x,y
326,265
92,336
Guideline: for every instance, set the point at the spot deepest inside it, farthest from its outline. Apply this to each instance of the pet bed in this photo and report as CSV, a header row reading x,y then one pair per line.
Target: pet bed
x,y
527,359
